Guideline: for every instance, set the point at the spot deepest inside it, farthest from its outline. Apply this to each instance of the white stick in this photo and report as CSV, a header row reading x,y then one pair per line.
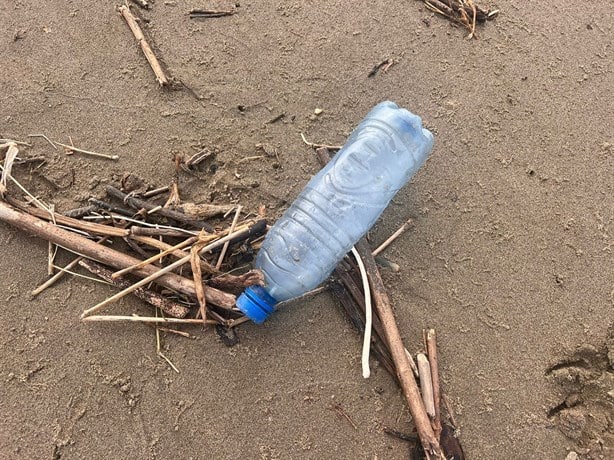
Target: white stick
x,y
366,343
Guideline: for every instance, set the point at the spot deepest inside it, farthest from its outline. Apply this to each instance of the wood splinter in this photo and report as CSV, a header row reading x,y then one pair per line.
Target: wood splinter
x,y
147,51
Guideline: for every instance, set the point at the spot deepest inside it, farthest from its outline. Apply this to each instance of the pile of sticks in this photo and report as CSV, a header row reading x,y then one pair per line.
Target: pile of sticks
x,y
167,253
436,432
463,12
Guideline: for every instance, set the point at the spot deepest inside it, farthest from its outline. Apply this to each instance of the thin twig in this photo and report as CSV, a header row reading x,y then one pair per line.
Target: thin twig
x,y
392,237
319,146
46,138
144,319
232,229
339,409
72,148
163,356
431,349
198,277
147,51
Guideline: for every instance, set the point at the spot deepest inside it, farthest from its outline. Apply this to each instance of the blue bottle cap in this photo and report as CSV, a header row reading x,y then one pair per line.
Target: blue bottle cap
x,y
256,303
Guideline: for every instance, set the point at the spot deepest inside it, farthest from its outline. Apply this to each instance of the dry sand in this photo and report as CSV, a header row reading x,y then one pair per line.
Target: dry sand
x,y
510,255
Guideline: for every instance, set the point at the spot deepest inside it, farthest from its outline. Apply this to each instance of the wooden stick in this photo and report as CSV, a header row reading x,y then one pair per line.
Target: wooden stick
x,y
198,278
82,246
174,309
225,247
137,203
72,148
140,38
202,13
431,349
60,219
154,276
145,319
392,237
320,146
426,384
383,306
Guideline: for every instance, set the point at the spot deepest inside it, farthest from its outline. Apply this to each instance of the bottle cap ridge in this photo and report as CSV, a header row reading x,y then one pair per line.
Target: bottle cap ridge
x,y
256,304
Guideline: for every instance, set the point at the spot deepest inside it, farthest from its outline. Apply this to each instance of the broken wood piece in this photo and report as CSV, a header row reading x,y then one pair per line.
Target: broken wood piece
x,y
174,309
392,237
98,252
72,148
198,276
9,159
203,210
157,231
138,204
426,383
431,349
199,13
161,77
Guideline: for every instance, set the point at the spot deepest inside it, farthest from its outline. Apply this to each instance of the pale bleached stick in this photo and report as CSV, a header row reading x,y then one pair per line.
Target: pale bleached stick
x,y
56,277
426,384
149,54
392,237
46,138
159,273
431,348
154,258
232,229
72,148
197,275
145,319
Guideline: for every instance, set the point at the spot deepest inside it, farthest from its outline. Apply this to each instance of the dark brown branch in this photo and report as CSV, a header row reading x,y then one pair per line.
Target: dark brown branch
x,y
137,203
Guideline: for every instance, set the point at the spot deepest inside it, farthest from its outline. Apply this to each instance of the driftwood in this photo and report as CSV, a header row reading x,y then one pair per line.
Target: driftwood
x,y
174,309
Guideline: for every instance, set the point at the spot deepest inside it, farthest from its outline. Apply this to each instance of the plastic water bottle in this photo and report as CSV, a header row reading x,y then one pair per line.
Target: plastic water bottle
x,y
337,207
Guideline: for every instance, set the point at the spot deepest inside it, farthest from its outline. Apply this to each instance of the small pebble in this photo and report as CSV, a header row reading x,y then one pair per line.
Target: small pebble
x,y
572,456
318,111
